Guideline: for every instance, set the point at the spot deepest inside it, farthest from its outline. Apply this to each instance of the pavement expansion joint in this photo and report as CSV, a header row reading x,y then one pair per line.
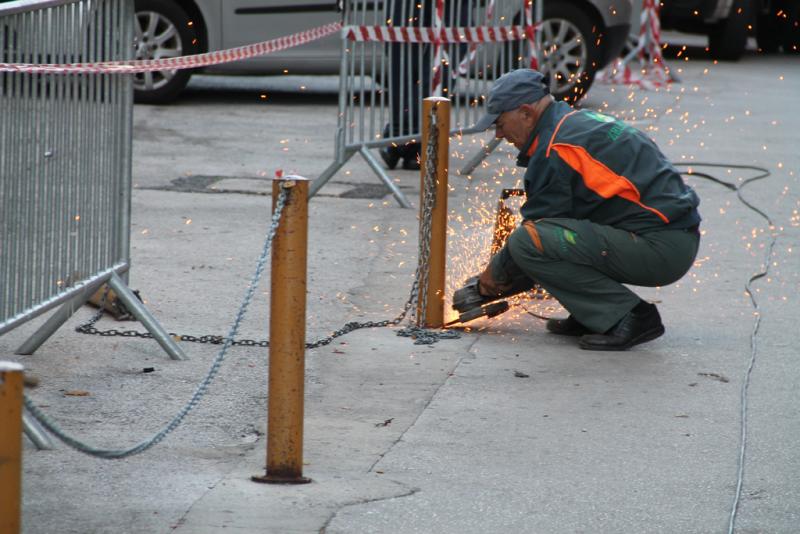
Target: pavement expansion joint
x,y
410,493
262,186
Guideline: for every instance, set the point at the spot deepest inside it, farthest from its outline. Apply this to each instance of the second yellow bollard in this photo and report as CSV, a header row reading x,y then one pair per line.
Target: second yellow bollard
x,y
434,305
287,328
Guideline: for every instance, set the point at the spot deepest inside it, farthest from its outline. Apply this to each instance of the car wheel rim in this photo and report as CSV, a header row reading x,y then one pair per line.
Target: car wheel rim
x,y
155,37
565,54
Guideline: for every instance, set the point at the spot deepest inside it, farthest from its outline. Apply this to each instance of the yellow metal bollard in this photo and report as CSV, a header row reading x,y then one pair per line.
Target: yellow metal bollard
x,y
434,307
11,383
287,328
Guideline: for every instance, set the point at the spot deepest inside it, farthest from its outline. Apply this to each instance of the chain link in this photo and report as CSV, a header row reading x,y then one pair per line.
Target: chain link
x,y
204,384
89,328
419,288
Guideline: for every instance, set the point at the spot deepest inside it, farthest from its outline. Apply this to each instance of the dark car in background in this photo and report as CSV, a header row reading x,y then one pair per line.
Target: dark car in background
x,y
579,38
728,24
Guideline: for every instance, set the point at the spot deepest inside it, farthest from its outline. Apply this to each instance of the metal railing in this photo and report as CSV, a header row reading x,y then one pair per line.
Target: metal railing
x,y
65,144
65,172
382,82
66,147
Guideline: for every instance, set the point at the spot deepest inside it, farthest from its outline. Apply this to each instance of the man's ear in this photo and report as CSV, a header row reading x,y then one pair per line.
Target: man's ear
x,y
529,111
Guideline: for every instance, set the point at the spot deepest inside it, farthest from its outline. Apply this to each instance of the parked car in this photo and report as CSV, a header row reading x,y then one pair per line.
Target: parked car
x,y
778,25
728,23
579,38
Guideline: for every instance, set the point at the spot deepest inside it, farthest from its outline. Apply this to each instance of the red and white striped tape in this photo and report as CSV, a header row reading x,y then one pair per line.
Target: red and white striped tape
x,y
439,35
473,48
651,73
174,63
426,34
528,9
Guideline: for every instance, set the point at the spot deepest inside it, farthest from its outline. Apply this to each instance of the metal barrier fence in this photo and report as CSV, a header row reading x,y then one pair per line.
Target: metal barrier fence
x,y
396,52
65,174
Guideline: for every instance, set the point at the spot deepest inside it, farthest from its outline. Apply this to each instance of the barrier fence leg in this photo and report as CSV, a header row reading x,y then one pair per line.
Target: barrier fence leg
x,y
35,432
10,447
372,162
137,309
434,305
374,165
479,156
125,295
327,174
55,321
287,333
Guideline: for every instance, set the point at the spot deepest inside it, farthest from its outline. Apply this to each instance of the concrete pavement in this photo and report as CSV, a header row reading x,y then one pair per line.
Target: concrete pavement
x,y
506,430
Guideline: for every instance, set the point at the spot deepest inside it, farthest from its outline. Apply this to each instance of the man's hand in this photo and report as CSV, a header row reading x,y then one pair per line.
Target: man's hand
x,y
487,285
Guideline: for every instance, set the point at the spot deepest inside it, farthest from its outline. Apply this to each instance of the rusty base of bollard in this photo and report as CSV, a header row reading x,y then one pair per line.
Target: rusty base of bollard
x,y
277,479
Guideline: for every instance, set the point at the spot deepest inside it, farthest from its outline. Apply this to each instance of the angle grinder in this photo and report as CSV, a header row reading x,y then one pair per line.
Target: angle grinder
x,y
471,305
468,300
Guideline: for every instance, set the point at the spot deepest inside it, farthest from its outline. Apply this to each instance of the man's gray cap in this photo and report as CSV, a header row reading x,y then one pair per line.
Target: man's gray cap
x,y
510,91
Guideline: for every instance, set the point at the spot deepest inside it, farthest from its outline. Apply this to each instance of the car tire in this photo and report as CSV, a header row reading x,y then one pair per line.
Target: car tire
x,y
727,39
767,33
162,29
789,33
570,57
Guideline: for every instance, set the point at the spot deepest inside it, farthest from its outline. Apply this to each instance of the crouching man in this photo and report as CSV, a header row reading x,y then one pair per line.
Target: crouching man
x,y
604,207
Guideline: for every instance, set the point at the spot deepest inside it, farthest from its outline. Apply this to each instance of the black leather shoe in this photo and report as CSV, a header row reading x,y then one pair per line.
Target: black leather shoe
x,y
641,324
411,163
567,327
390,156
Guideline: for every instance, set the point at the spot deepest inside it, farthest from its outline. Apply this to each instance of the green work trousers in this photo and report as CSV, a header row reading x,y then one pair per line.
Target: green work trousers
x,y
584,265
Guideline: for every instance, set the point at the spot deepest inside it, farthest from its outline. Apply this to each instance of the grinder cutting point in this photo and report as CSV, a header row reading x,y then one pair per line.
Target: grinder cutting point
x,y
471,305
468,300
489,310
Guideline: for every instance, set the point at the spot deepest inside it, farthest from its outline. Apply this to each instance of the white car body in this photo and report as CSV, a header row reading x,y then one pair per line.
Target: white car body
x,y
243,22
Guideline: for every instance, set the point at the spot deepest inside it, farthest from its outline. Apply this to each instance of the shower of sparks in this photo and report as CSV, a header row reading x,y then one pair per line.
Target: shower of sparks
x,y
683,135
474,203
474,209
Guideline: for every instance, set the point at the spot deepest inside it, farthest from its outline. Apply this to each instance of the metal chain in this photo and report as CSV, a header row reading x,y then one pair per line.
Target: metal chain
x,y
422,336
204,384
89,328
428,203
419,288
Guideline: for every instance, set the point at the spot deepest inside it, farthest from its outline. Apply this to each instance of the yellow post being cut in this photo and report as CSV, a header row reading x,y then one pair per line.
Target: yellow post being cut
x,y
434,305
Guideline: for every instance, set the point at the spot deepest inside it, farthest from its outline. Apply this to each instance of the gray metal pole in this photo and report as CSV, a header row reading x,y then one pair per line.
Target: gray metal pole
x,y
55,321
35,432
372,162
328,173
140,312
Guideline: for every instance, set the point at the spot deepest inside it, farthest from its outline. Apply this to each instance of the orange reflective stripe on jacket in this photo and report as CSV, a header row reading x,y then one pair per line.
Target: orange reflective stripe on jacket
x,y
533,147
599,178
558,126
533,232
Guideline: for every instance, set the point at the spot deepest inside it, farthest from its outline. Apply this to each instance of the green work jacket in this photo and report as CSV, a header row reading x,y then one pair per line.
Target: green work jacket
x,y
582,164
